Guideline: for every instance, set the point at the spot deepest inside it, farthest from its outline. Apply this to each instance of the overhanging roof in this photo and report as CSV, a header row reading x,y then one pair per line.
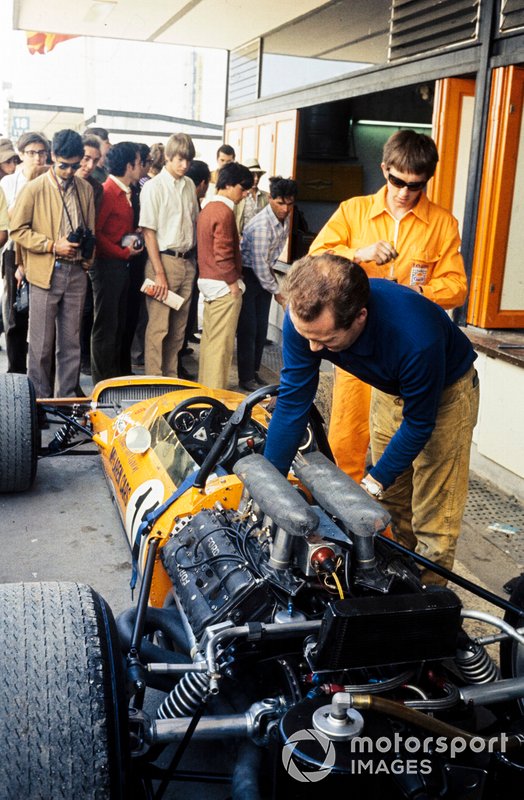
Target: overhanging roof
x,y
349,30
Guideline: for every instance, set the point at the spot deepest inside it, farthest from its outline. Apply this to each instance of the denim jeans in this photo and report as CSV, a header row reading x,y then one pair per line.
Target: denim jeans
x,y
427,501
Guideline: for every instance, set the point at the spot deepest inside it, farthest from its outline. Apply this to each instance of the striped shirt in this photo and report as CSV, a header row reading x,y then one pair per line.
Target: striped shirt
x,y
262,242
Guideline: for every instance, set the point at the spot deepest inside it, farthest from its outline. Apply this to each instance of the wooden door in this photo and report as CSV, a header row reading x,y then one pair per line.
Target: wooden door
x,y
497,283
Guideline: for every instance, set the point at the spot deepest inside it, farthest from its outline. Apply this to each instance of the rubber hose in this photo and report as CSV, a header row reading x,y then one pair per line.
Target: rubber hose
x,y
245,774
154,622
400,711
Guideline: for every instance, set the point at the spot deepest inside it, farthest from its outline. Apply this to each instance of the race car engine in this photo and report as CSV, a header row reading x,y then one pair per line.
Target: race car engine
x,y
211,577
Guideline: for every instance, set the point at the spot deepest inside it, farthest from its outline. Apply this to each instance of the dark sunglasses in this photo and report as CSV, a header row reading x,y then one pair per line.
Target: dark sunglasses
x,y
63,166
414,186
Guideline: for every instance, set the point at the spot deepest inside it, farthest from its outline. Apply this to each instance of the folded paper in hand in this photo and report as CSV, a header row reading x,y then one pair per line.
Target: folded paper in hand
x,y
173,300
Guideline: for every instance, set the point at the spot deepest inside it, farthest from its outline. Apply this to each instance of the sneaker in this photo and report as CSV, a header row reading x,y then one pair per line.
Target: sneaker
x,y
259,380
248,386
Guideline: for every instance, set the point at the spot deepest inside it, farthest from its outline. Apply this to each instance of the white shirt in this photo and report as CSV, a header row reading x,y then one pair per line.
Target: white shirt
x,y
12,186
210,288
126,189
4,216
169,207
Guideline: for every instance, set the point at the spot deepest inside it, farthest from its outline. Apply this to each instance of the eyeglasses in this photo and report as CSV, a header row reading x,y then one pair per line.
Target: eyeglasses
x,y
61,165
35,153
414,186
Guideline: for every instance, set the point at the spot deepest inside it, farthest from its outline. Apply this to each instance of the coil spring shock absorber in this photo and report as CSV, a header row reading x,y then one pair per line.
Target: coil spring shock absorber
x,y
65,434
186,697
476,665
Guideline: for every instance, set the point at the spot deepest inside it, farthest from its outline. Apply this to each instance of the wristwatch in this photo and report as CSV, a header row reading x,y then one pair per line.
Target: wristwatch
x,y
372,488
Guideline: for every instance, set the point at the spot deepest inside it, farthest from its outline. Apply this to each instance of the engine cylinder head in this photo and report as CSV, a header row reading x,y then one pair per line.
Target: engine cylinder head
x,y
186,697
475,665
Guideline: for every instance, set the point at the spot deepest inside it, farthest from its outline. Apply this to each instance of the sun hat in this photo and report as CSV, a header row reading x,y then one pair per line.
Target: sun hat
x,y
253,166
7,151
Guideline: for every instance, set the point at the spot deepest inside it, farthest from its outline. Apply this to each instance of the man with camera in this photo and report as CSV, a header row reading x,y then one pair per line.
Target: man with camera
x,y
116,244
53,221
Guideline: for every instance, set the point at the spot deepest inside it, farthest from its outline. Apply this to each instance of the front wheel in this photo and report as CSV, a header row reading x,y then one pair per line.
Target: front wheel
x,y
62,701
18,433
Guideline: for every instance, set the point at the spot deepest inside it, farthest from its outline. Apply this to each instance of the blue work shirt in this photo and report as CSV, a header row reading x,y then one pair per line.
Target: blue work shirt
x,y
409,348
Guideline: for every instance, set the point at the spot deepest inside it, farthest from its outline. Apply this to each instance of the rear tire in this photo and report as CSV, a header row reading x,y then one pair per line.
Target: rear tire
x,y
18,433
511,652
63,715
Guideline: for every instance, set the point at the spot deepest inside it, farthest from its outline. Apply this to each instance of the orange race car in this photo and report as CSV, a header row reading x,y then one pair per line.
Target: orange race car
x,y
274,622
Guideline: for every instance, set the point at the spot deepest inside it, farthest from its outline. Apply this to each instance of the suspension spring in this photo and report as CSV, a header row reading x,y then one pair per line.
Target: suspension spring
x,y
186,697
62,437
476,665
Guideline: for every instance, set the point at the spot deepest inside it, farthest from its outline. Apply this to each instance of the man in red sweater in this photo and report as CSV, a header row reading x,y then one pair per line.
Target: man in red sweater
x,y
110,274
220,274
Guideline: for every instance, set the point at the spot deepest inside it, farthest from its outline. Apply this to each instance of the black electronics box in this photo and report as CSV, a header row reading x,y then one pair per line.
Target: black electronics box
x,y
388,629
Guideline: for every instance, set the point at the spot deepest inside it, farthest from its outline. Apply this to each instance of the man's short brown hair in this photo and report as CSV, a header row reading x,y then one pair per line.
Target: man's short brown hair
x,y
412,153
31,137
315,283
180,144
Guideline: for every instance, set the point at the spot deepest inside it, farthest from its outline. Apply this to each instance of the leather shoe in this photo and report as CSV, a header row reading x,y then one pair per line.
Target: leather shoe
x,y
260,381
248,386
186,351
185,374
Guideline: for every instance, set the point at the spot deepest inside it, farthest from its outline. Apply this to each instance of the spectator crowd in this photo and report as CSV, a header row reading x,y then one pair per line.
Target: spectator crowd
x,y
117,243
101,237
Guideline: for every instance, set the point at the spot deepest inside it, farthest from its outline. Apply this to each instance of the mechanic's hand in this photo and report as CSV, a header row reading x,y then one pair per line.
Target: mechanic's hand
x,y
373,487
160,289
380,252
416,288
66,249
134,252
234,288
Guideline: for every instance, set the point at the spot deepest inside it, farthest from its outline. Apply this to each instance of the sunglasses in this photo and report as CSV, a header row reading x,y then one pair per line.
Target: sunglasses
x,y
414,186
74,167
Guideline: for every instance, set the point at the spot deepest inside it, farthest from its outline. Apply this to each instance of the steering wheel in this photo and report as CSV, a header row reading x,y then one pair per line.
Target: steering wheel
x,y
199,431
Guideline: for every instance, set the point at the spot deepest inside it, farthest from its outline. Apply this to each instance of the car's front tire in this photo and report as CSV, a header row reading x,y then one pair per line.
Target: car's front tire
x,y
18,433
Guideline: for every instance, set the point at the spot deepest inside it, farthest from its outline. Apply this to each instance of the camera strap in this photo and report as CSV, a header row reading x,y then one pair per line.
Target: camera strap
x,y
64,204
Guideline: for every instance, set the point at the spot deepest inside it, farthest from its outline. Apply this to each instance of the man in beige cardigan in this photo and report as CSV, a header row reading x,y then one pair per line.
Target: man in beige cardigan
x,y
52,220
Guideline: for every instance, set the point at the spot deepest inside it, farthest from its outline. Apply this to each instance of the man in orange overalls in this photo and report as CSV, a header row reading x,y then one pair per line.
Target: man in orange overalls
x,y
400,235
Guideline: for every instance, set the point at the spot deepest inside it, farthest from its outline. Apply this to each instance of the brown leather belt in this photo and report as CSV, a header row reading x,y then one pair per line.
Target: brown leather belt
x,y
177,253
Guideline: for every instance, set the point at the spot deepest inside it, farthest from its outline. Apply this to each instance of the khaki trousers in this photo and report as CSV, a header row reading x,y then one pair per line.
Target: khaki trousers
x,y
427,501
165,327
218,340
349,423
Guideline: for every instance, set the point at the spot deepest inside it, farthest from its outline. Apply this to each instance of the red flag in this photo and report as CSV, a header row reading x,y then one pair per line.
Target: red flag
x,y
38,42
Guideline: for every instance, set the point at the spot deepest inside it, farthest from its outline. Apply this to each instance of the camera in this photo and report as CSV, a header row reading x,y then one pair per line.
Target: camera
x,y
139,242
133,240
85,238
